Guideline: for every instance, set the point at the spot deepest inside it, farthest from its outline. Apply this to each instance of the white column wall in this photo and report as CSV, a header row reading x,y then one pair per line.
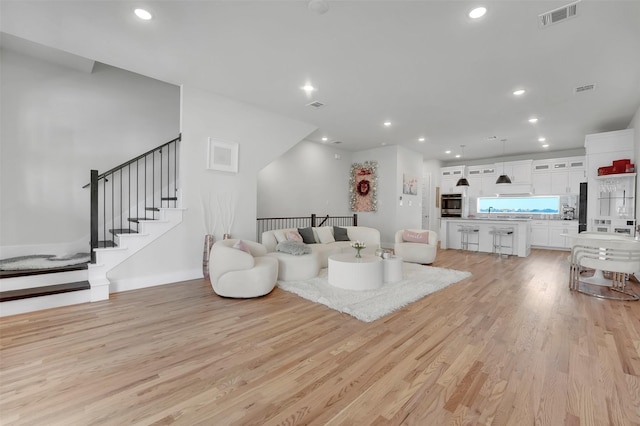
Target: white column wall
x,y
262,137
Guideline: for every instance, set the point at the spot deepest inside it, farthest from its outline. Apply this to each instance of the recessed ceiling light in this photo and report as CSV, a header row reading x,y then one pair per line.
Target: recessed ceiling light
x,y
546,145
542,139
387,123
420,139
143,14
519,92
447,152
325,139
458,155
478,12
308,88
533,120
384,144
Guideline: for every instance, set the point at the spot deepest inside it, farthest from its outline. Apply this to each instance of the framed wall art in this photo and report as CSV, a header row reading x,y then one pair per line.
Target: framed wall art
x,y
222,156
409,184
363,186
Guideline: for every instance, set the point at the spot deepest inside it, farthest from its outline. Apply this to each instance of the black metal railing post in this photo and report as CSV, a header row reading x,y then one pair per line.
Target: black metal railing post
x,y
94,214
111,202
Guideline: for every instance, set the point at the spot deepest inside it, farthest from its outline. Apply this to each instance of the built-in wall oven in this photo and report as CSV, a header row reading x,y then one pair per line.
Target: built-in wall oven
x,y
451,205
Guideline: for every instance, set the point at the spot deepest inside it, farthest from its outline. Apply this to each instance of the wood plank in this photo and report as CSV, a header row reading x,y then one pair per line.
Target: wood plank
x,y
509,345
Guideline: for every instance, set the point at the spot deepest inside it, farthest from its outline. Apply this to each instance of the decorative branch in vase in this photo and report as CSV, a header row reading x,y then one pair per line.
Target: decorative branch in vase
x,y
209,220
227,211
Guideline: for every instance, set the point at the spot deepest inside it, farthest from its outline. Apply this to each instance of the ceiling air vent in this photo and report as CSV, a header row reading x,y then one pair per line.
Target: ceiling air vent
x,y
585,88
316,104
337,142
558,15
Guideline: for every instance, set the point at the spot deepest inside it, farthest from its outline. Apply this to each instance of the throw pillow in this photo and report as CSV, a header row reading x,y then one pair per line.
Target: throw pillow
x,y
296,248
241,245
293,236
279,234
325,234
340,234
307,235
415,237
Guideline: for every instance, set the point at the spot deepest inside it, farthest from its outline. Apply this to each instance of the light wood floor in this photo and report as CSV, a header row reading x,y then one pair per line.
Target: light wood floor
x,y
508,346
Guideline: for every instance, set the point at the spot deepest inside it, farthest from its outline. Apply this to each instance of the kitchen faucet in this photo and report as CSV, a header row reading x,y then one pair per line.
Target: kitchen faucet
x,y
490,210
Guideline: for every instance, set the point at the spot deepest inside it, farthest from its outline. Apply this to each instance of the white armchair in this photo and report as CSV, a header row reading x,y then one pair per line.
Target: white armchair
x,y
423,253
236,273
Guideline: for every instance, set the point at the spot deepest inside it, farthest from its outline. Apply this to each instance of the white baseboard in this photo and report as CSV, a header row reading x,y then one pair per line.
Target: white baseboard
x,y
126,284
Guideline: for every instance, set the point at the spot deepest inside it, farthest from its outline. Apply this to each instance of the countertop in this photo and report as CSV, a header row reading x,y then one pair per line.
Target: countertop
x,y
505,219
487,219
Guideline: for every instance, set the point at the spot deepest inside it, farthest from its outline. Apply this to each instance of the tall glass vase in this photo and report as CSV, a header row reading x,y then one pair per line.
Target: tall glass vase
x,y
208,243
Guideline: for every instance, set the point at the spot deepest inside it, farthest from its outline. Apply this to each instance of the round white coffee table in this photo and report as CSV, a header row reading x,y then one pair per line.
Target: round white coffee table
x,y
351,273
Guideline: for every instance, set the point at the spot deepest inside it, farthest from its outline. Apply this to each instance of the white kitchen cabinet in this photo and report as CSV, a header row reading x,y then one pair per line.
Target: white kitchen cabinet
x,y
518,171
449,177
540,233
575,178
481,180
558,176
556,230
541,183
559,182
602,149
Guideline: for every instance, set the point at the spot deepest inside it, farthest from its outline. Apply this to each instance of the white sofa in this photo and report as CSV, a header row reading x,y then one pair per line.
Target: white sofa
x,y
416,252
324,249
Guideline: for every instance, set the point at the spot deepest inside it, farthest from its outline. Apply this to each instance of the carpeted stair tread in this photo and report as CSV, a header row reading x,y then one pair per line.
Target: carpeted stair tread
x,y
26,293
27,272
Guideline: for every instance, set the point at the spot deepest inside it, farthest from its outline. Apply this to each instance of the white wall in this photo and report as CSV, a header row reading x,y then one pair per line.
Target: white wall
x,y
409,212
262,137
393,161
306,179
59,123
432,168
635,125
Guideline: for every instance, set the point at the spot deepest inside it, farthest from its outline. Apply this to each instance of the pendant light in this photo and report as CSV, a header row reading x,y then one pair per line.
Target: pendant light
x,y
463,180
503,178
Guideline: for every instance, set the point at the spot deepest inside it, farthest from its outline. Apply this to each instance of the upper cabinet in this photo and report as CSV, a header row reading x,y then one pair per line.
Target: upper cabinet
x,y
558,176
481,180
449,177
518,171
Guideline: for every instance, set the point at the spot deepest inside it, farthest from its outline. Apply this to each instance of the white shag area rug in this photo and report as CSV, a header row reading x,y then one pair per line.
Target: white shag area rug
x,y
42,261
418,281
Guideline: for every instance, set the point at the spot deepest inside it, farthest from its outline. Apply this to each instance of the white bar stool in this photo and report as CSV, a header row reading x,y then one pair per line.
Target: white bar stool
x,y
499,234
465,232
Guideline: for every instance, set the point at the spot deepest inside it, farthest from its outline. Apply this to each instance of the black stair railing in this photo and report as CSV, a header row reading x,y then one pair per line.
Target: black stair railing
x,y
131,192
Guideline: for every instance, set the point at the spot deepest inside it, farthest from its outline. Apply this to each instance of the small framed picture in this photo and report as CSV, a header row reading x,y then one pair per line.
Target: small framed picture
x,y
222,156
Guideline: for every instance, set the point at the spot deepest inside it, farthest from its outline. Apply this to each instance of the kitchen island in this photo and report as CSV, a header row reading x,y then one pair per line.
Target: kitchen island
x,y
482,241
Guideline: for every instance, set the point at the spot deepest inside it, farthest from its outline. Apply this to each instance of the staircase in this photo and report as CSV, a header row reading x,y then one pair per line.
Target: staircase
x,y
132,205
126,242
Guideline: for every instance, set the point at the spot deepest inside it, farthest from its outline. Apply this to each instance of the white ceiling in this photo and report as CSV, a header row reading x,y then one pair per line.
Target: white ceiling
x,y
423,65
